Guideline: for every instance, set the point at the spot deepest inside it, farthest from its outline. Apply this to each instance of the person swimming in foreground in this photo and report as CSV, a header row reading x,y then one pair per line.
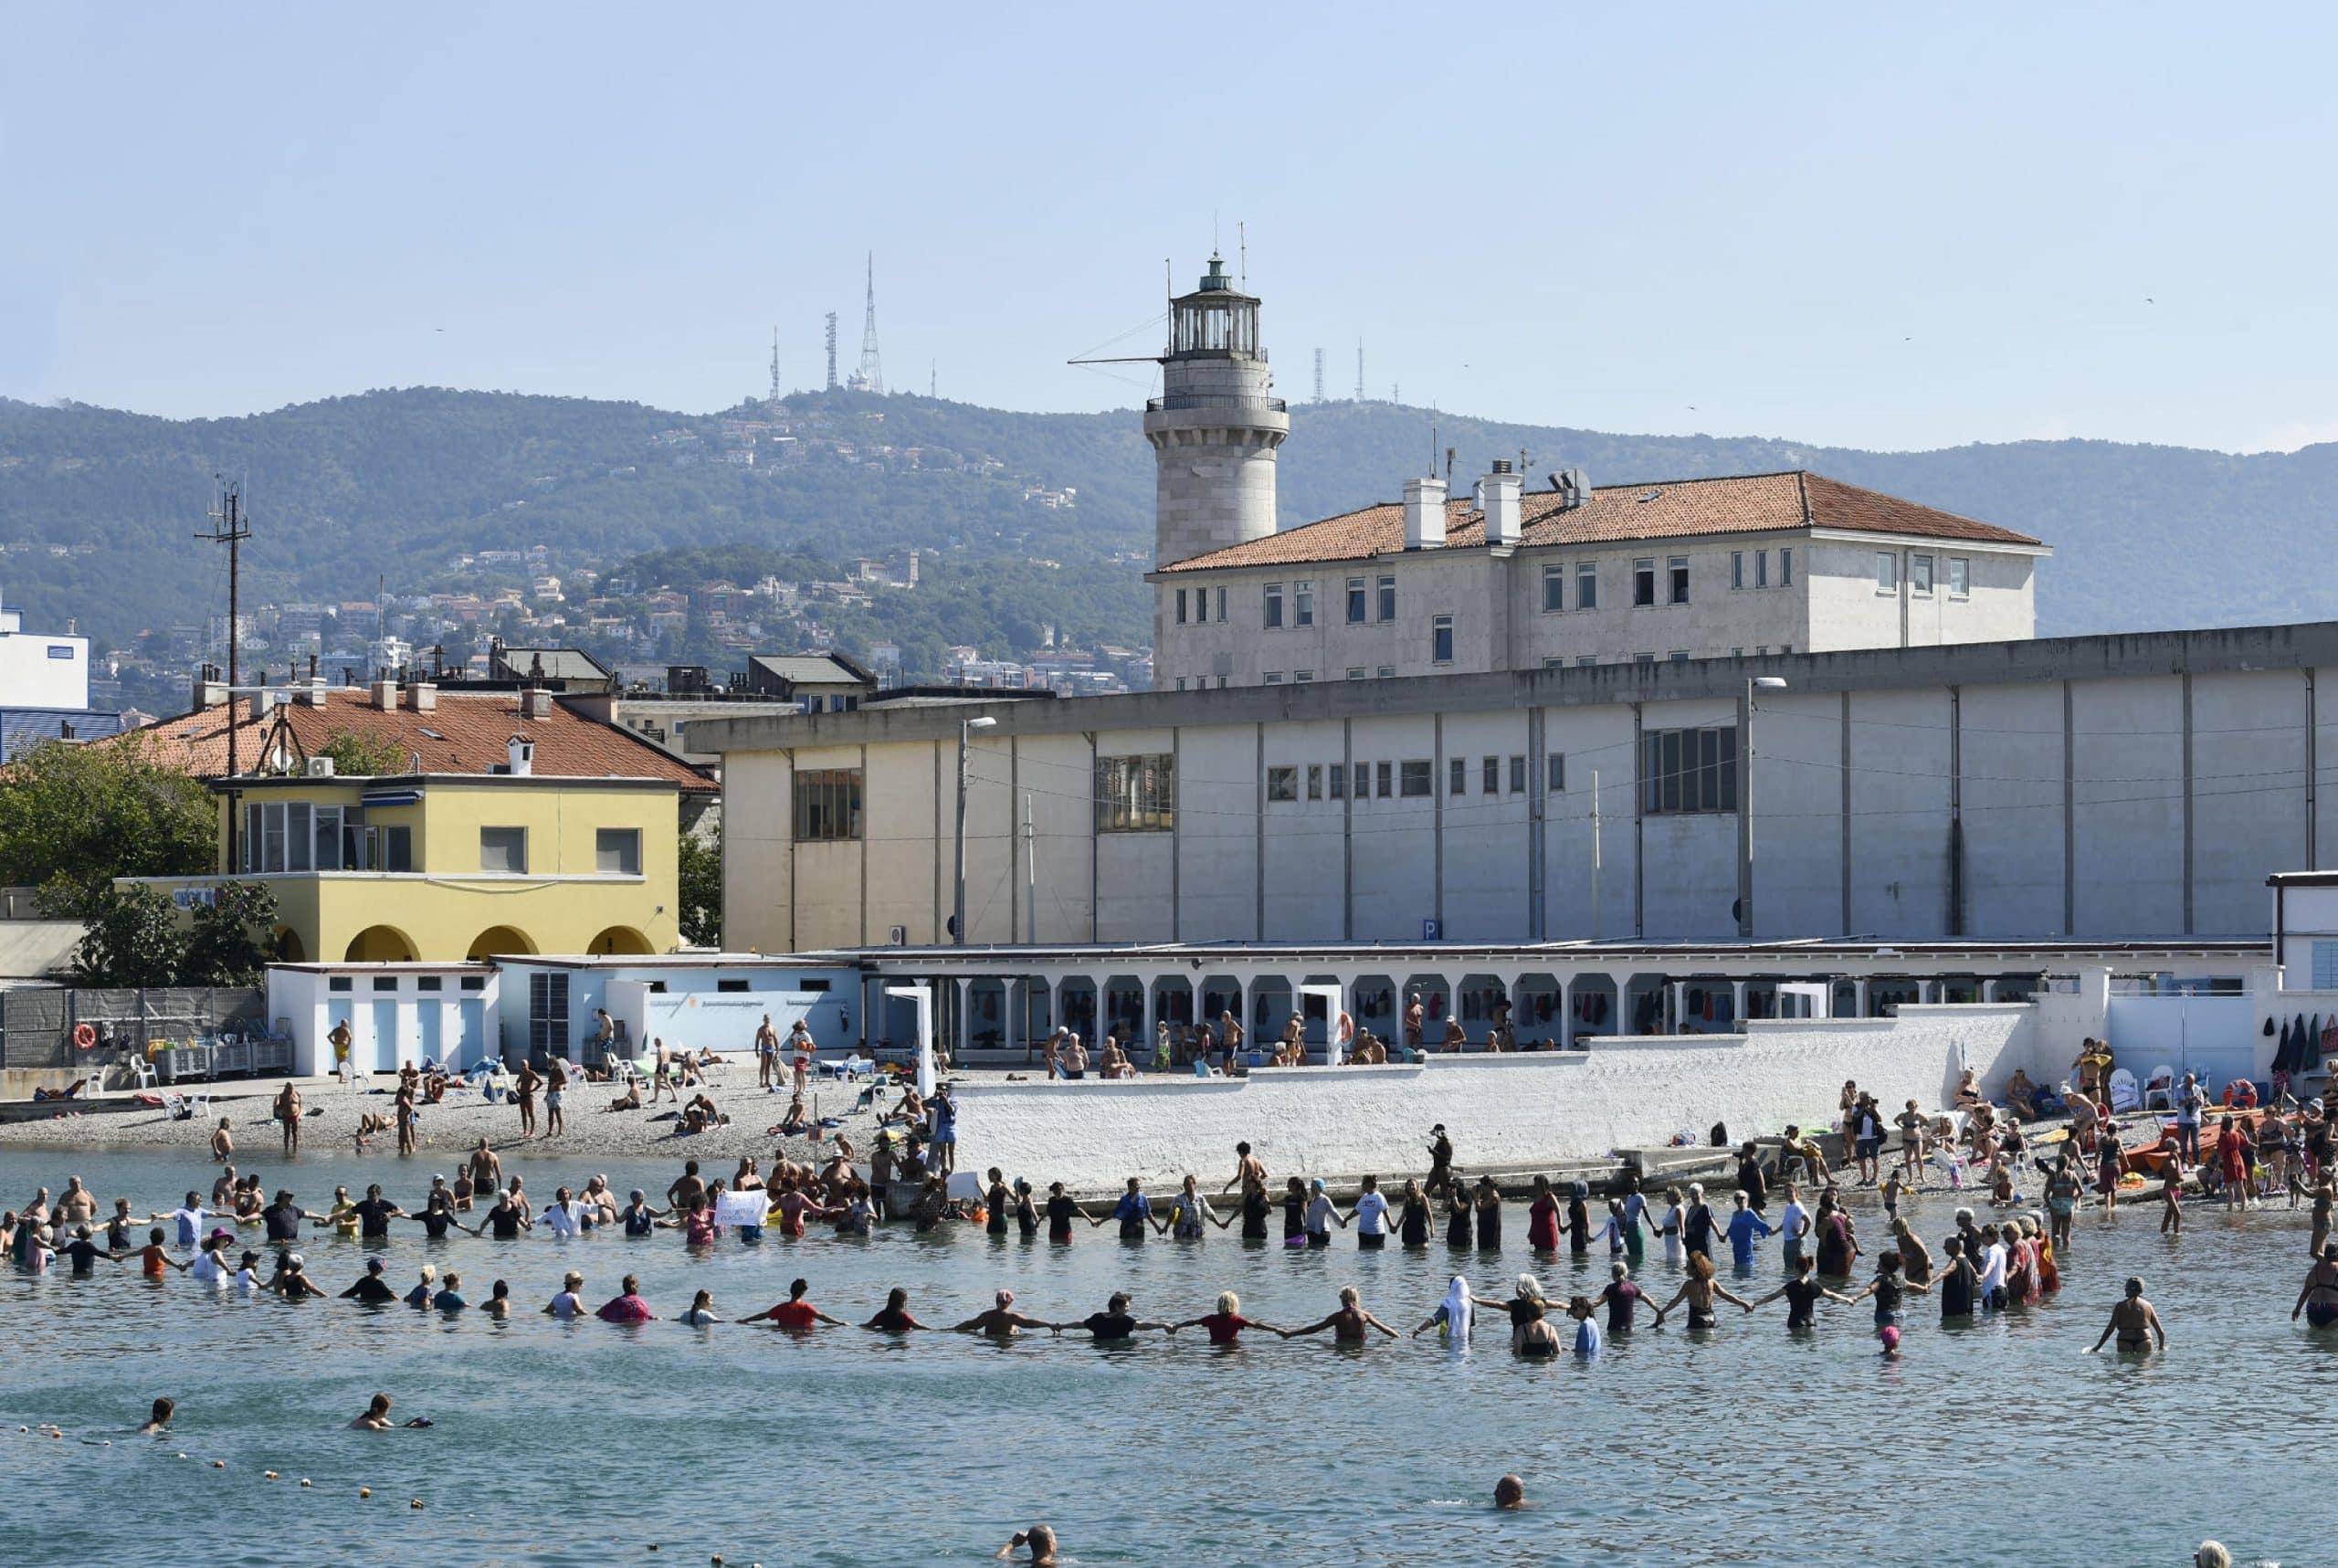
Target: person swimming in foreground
x,y
2134,1321
2317,1298
377,1417
1040,1539
158,1423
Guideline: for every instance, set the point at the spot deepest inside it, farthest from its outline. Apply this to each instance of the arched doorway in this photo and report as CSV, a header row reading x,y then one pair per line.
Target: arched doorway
x,y
496,939
618,940
288,946
380,944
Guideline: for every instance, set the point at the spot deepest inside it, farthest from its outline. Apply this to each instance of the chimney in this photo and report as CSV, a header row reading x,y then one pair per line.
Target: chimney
x,y
535,703
263,704
313,692
1424,514
423,697
1499,494
520,753
385,695
210,691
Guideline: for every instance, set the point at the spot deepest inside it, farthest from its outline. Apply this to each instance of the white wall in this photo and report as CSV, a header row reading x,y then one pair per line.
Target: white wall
x,y
37,671
1508,1112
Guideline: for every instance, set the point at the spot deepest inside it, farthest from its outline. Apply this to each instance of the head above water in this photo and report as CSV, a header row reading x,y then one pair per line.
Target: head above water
x,y
1510,1492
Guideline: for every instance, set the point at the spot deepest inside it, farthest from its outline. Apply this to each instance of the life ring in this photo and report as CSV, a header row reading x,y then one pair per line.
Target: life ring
x,y
85,1035
1346,1031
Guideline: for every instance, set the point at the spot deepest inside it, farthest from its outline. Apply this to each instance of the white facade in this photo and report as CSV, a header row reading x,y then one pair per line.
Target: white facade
x,y
1463,609
2093,787
42,670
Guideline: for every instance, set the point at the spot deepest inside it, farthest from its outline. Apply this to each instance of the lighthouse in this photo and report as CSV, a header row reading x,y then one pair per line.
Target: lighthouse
x,y
1214,428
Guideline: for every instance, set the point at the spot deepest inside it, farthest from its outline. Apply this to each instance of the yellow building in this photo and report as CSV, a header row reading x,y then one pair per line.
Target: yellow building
x,y
517,826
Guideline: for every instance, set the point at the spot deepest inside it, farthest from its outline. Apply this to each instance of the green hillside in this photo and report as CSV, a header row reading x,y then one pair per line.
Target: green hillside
x,y
389,486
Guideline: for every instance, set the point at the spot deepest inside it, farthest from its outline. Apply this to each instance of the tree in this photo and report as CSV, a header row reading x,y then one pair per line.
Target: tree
x,y
74,818
701,868
360,754
133,938
227,941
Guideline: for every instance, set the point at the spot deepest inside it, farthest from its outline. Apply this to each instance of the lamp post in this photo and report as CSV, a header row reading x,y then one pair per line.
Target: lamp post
x,y
1745,799
958,915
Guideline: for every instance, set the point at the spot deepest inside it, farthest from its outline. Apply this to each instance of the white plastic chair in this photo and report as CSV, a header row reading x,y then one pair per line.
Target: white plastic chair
x,y
142,1071
2161,1087
2124,1096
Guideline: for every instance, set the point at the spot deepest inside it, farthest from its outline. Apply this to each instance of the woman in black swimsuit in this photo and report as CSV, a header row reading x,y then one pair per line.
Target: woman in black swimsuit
x,y
1700,1290
1488,1205
1294,1214
1253,1213
1412,1226
1027,1218
1958,1281
1802,1294
1460,1207
996,1202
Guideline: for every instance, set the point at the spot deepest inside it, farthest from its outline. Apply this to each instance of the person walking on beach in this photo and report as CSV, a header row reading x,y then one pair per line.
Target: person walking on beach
x,y
800,1052
401,1106
2134,1321
767,1056
2232,1163
287,1111
555,1094
1348,1322
2189,1099
2062,1189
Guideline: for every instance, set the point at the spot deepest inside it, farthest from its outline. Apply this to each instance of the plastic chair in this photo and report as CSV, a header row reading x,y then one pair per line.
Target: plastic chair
x,y
2160,1086
142,1071
2124,1095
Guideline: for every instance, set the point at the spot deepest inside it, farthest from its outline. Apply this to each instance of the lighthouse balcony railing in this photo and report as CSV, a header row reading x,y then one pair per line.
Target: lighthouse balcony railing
x,y
1215,400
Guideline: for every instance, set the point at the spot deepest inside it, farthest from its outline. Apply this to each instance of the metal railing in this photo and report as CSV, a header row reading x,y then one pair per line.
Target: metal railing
x,y
1215,400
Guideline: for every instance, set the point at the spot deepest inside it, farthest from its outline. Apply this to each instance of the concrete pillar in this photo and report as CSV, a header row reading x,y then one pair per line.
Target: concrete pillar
x,y
1861,1002
1566,1015
1988,991
1141,1049
966,1030
1675,988
1927,991
1737,1006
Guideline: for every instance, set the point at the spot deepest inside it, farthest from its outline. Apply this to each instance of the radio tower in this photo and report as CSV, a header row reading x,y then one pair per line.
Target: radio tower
x,y
832,350
1359,370
870,377
774,364
1319,375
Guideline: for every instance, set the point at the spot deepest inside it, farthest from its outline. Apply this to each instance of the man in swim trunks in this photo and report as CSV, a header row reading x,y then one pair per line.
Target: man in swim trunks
x,y
796,1314
1000,1322
1114,1323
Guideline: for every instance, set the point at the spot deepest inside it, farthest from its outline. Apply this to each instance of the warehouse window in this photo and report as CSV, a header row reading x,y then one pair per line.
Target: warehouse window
x,y
1586,586
1785,568
1356,601
1380,776
1282,785
1181,607
1737,568
1416,780
1518,775
1676,568
1920,576
1554,587
1314,781
1558,771
1960,577
827,806
1302,603
1644,582
1490,775
1457,776
1686,771
1273,605
1441,639
1886,572
1136,795
1339,781
1386,589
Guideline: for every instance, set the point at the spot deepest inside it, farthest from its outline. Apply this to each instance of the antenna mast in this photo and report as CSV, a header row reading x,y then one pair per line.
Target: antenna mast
x,y
231,528
871,374
1319,375
1359,370
832,350
774,364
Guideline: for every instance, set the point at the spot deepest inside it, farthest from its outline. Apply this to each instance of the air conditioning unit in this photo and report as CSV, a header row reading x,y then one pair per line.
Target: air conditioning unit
x,y
318,768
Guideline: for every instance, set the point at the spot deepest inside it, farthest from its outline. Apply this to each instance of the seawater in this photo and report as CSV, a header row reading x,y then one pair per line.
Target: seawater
x,y
1997,1442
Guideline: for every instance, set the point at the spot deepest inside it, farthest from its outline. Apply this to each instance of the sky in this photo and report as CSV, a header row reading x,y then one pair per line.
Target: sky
x,y
1889,226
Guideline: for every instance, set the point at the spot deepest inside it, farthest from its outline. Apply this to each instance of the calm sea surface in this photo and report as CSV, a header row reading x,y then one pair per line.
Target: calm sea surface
x,y
1993,1443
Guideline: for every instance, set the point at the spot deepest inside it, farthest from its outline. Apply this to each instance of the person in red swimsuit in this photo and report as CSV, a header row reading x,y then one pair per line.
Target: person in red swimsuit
x,y
1226,1324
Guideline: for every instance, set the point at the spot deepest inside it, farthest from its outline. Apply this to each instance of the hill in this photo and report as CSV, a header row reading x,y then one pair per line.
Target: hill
x,y
396,486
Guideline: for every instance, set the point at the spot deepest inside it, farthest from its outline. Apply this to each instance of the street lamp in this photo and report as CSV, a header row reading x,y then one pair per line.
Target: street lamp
x,y
958,918
1745,799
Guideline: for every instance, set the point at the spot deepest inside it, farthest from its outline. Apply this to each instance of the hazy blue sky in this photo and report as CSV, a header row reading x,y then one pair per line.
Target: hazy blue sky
x,y
1884,226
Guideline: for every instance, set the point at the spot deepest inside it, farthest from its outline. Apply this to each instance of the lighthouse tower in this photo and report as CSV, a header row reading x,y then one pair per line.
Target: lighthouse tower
x,y
1214,428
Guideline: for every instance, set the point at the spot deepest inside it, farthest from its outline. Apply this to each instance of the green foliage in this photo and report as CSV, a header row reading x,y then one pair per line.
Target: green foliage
x,y
228,940
133,938
361,754
700,878
73,817
395,484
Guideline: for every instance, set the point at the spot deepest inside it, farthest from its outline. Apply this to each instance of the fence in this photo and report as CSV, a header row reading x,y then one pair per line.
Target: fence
x,y
37,1022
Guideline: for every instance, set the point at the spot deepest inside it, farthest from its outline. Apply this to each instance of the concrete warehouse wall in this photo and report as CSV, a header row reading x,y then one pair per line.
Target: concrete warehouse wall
x,y
1503,1113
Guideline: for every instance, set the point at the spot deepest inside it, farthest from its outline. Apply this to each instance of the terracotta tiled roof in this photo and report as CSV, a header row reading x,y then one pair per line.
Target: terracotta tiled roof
x,y
1685,509
468,733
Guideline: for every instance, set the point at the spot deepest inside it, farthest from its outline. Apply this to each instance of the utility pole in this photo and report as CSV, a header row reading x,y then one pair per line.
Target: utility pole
x,y
229,527
1030,875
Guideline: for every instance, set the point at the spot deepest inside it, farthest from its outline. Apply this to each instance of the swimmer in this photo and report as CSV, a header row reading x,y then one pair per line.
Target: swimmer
x,y
1699,1291
626,1306
1802,1294
796,1312
2135,1324
1040,1539
158,1422
1622,1299
369,1286
1452,1315
1510,1493
499,1302
1114,1323
1586,1332
894,1315
2317,1298
1889,1335
449,1298
376,1417
1348,1322
566,1304
1225,1325
1000,1322
701,1311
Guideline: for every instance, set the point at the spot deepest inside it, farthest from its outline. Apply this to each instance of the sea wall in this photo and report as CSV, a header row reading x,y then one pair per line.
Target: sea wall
x,y
1503,1113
